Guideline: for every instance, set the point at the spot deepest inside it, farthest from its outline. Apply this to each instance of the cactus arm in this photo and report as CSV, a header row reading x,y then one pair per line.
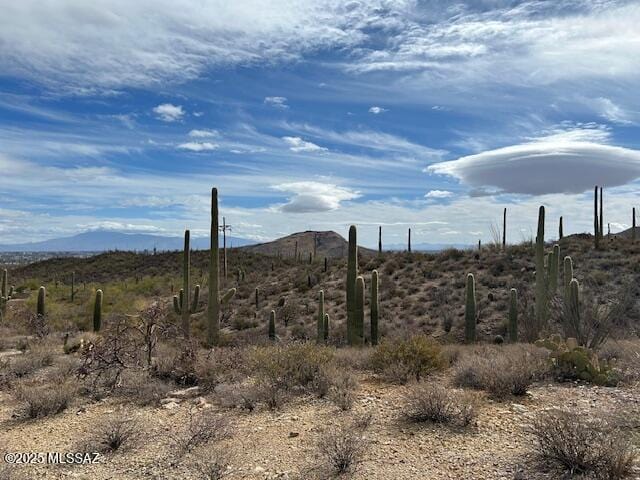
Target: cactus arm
x,y
226,298
176,305
196,299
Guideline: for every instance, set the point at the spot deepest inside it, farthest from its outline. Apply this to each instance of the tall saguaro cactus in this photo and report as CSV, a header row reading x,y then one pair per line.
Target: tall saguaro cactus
x,y
541,283
359,311
97,312
183,304
409,241
470,310
560,229
73,286
633,224
596,222
567,275
352,274
380,239
504,229
374,307
513,315
213,307
41,308
326,327
601,217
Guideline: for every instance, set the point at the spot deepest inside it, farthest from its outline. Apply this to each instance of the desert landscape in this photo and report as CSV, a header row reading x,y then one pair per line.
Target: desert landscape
x,y
442,367
319,239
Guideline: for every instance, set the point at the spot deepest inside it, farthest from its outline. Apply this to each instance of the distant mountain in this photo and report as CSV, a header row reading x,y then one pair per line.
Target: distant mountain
x,y
102,240
426,247
327,244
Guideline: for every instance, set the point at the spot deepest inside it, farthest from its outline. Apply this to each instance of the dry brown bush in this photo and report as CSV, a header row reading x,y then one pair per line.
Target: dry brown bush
x,y
435,403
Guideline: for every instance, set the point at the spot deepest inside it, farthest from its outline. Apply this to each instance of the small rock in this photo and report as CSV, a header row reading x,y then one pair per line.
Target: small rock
x,y
171,405
294,434
186,393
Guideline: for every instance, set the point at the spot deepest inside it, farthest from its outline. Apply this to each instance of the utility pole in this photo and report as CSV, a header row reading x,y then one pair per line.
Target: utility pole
x,y
224,229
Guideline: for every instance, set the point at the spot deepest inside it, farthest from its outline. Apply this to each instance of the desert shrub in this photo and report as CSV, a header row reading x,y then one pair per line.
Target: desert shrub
x,y
37,357
341,448
625,355
238,395
176,363
401,359
284,369
211,464
343,387
201,428
115,433
44,400
137,386
573,443
501,371
219,365
434,403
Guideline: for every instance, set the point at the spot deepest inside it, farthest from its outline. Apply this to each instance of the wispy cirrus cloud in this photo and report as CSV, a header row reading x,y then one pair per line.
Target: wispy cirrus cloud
x,y
276,102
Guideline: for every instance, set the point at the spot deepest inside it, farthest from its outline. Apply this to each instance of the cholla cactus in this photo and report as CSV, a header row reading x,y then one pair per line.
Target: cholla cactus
x,y
470,310
97,312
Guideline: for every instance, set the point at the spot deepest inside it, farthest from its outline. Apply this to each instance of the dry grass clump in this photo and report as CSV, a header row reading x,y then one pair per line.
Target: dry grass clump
x,y
35,358
211,464
570,442
436,404
501,371
201,428
342,447
115,433
138,387
343,387
45,400
399,360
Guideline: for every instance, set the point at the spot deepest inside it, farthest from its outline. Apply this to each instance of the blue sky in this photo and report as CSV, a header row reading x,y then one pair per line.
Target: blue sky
x,y
317,114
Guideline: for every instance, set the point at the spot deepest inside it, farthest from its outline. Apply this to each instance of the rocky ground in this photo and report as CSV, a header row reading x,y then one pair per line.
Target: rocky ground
x,y
268,444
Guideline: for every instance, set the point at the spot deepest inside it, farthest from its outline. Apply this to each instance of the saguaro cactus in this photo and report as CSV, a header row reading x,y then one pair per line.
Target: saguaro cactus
x,y
213,307
541,284
352,274
513,315
359,312
409,241
73,286
320,318
5,293
97,311
554,269
257,299
183,304
41,308
560,229
601,216
504,229
374,307
567,275
272,325
596,223
380,240
633,224
326,327
470,309
574,298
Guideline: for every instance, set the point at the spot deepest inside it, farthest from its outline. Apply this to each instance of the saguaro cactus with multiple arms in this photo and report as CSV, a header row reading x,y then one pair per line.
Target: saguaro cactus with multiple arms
x,y
352,274
97,312
470,310
214,301
374,307
183,304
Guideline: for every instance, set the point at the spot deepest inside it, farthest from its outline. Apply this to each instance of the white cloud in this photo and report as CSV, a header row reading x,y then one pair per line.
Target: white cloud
x,y
314,196
296,144
168,112
198,146
377,110
563,162
276,102
612,112
206,133
438,194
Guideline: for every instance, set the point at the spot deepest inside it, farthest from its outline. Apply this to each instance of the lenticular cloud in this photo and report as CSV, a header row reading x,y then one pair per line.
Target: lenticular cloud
x,y
545,166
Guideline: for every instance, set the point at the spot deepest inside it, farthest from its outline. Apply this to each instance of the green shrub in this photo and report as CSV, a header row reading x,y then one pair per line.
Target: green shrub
x,y
400,359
